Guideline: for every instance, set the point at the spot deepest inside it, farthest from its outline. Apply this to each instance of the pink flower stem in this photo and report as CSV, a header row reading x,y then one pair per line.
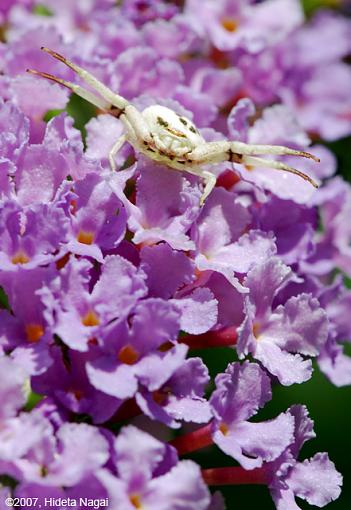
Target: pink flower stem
x,y
235,476
193,441
220,338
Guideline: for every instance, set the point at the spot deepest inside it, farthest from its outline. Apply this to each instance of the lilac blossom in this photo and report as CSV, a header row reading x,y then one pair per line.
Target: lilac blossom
x,y
180,397
130,355
148,473
67,383
316,480
248,25
282,337
75,314
240,392
53,461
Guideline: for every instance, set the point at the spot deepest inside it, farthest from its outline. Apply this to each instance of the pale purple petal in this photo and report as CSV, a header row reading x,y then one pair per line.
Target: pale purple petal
x,y
167,270
316,480
264,281
266,440
111,378
144,456
289,368
198,311
301,325
182,488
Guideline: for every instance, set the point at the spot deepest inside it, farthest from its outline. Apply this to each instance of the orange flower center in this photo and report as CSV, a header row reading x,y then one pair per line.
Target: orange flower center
x,y
128,355
85,237
135,500
20,258
256,330
224,428
34,332
229,24
90,319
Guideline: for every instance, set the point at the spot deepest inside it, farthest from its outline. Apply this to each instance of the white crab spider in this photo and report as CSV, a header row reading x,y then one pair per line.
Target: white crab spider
x,y
166,137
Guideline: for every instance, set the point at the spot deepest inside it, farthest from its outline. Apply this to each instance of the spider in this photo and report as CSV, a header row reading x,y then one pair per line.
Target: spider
x,y
171,139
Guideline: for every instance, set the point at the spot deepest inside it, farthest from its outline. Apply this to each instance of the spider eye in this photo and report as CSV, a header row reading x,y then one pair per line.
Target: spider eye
x,y
162,122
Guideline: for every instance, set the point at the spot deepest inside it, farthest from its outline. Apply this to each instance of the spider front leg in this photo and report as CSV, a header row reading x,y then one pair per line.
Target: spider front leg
x,y
242,153
127,111
137,130
210,182
109,96
115,148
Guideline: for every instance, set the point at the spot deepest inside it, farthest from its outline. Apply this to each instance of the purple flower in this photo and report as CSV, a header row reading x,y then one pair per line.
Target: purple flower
x,y
222,245
276,125
166,270
40,164
25,331
142,11
66,141
30,237
77,314
140,70
148,474
166,206
109,279
293,226
170,39
332,360
13,139
48,97
308,57
63,458
180,397
102,133
281,338
247,25
67,383
129,357
98,218
25,52
333,244
239,393
315,480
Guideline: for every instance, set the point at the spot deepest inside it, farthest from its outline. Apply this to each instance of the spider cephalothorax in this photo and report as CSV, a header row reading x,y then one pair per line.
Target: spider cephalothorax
x,y
171,139
172,134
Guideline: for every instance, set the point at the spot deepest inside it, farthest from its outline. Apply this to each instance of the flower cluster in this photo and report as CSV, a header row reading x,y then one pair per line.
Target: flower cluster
x,y
109,280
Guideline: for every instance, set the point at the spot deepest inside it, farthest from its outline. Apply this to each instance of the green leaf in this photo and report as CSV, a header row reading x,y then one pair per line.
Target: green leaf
x,y
42,10
4,302
32,401
81,111
50,114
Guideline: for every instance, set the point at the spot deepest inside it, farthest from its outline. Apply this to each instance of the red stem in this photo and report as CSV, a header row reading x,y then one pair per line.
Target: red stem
x,y
193,441
235,476
220,338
